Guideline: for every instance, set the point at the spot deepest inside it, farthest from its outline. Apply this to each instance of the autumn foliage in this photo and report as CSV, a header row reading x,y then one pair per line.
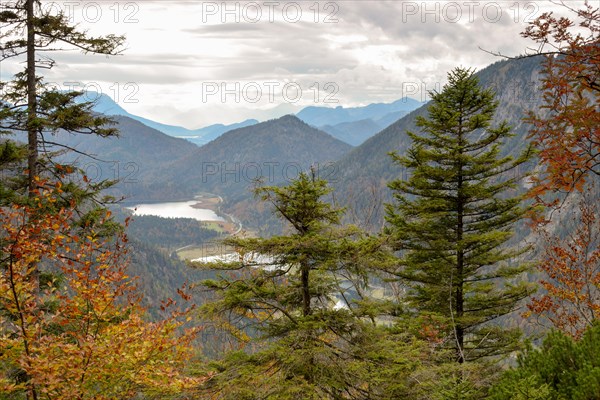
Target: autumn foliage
x,y
567,129
567,133
71,326
572,267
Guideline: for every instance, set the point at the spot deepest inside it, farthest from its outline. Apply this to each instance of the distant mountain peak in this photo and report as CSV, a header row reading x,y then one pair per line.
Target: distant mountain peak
x,y
320,116
290,118
103,103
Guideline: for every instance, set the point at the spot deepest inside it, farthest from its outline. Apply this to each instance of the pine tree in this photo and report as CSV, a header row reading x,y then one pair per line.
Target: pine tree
x,y
453,217
298,297
62,340
28,106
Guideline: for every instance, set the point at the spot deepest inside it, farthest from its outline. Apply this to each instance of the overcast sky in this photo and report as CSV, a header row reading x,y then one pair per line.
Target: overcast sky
x,y
195,63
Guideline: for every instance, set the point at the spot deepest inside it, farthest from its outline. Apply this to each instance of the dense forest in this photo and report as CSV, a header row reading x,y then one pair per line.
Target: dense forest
x,y
453,255
169,233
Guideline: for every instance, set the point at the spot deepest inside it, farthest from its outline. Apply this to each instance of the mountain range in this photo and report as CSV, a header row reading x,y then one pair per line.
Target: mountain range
x,y
105,105
170,168
154,166
320,116
352,125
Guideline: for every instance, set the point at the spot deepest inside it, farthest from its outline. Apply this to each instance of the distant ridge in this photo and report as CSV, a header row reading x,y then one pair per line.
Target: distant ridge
x,y
320,116
352,125
105,105
275,149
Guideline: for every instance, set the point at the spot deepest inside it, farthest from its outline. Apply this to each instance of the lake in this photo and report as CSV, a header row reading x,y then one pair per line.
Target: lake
x,y
176,209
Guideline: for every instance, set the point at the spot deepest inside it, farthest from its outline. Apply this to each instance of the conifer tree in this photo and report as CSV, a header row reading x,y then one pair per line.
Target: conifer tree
x,y
26,104
562,368
298,297
29,264
452,219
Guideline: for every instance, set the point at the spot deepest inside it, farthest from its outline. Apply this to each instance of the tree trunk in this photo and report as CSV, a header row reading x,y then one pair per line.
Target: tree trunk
x,y
32,150
32,139
460,334
305,291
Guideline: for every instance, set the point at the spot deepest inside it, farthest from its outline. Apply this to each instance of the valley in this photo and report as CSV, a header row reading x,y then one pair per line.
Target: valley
x,y
168,176
205,208
191,196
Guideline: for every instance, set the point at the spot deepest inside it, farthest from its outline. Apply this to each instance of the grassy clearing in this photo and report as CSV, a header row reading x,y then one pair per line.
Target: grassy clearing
x,y
205,250
219,226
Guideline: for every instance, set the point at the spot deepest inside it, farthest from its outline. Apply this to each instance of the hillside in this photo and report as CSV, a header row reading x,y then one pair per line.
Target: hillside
x,y
139,154
274,149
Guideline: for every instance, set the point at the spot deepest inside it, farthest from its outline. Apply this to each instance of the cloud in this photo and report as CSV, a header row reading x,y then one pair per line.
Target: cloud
x,y
371,51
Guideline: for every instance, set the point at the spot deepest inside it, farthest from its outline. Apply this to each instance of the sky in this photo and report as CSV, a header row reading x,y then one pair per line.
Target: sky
x,y
196,63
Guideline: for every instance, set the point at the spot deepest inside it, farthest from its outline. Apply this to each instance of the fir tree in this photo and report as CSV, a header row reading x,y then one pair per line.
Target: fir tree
x,y
453,217
298,296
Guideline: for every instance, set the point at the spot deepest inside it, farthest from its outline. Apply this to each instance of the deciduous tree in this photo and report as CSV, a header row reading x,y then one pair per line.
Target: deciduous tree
x,y
571,267
81,334
567,128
